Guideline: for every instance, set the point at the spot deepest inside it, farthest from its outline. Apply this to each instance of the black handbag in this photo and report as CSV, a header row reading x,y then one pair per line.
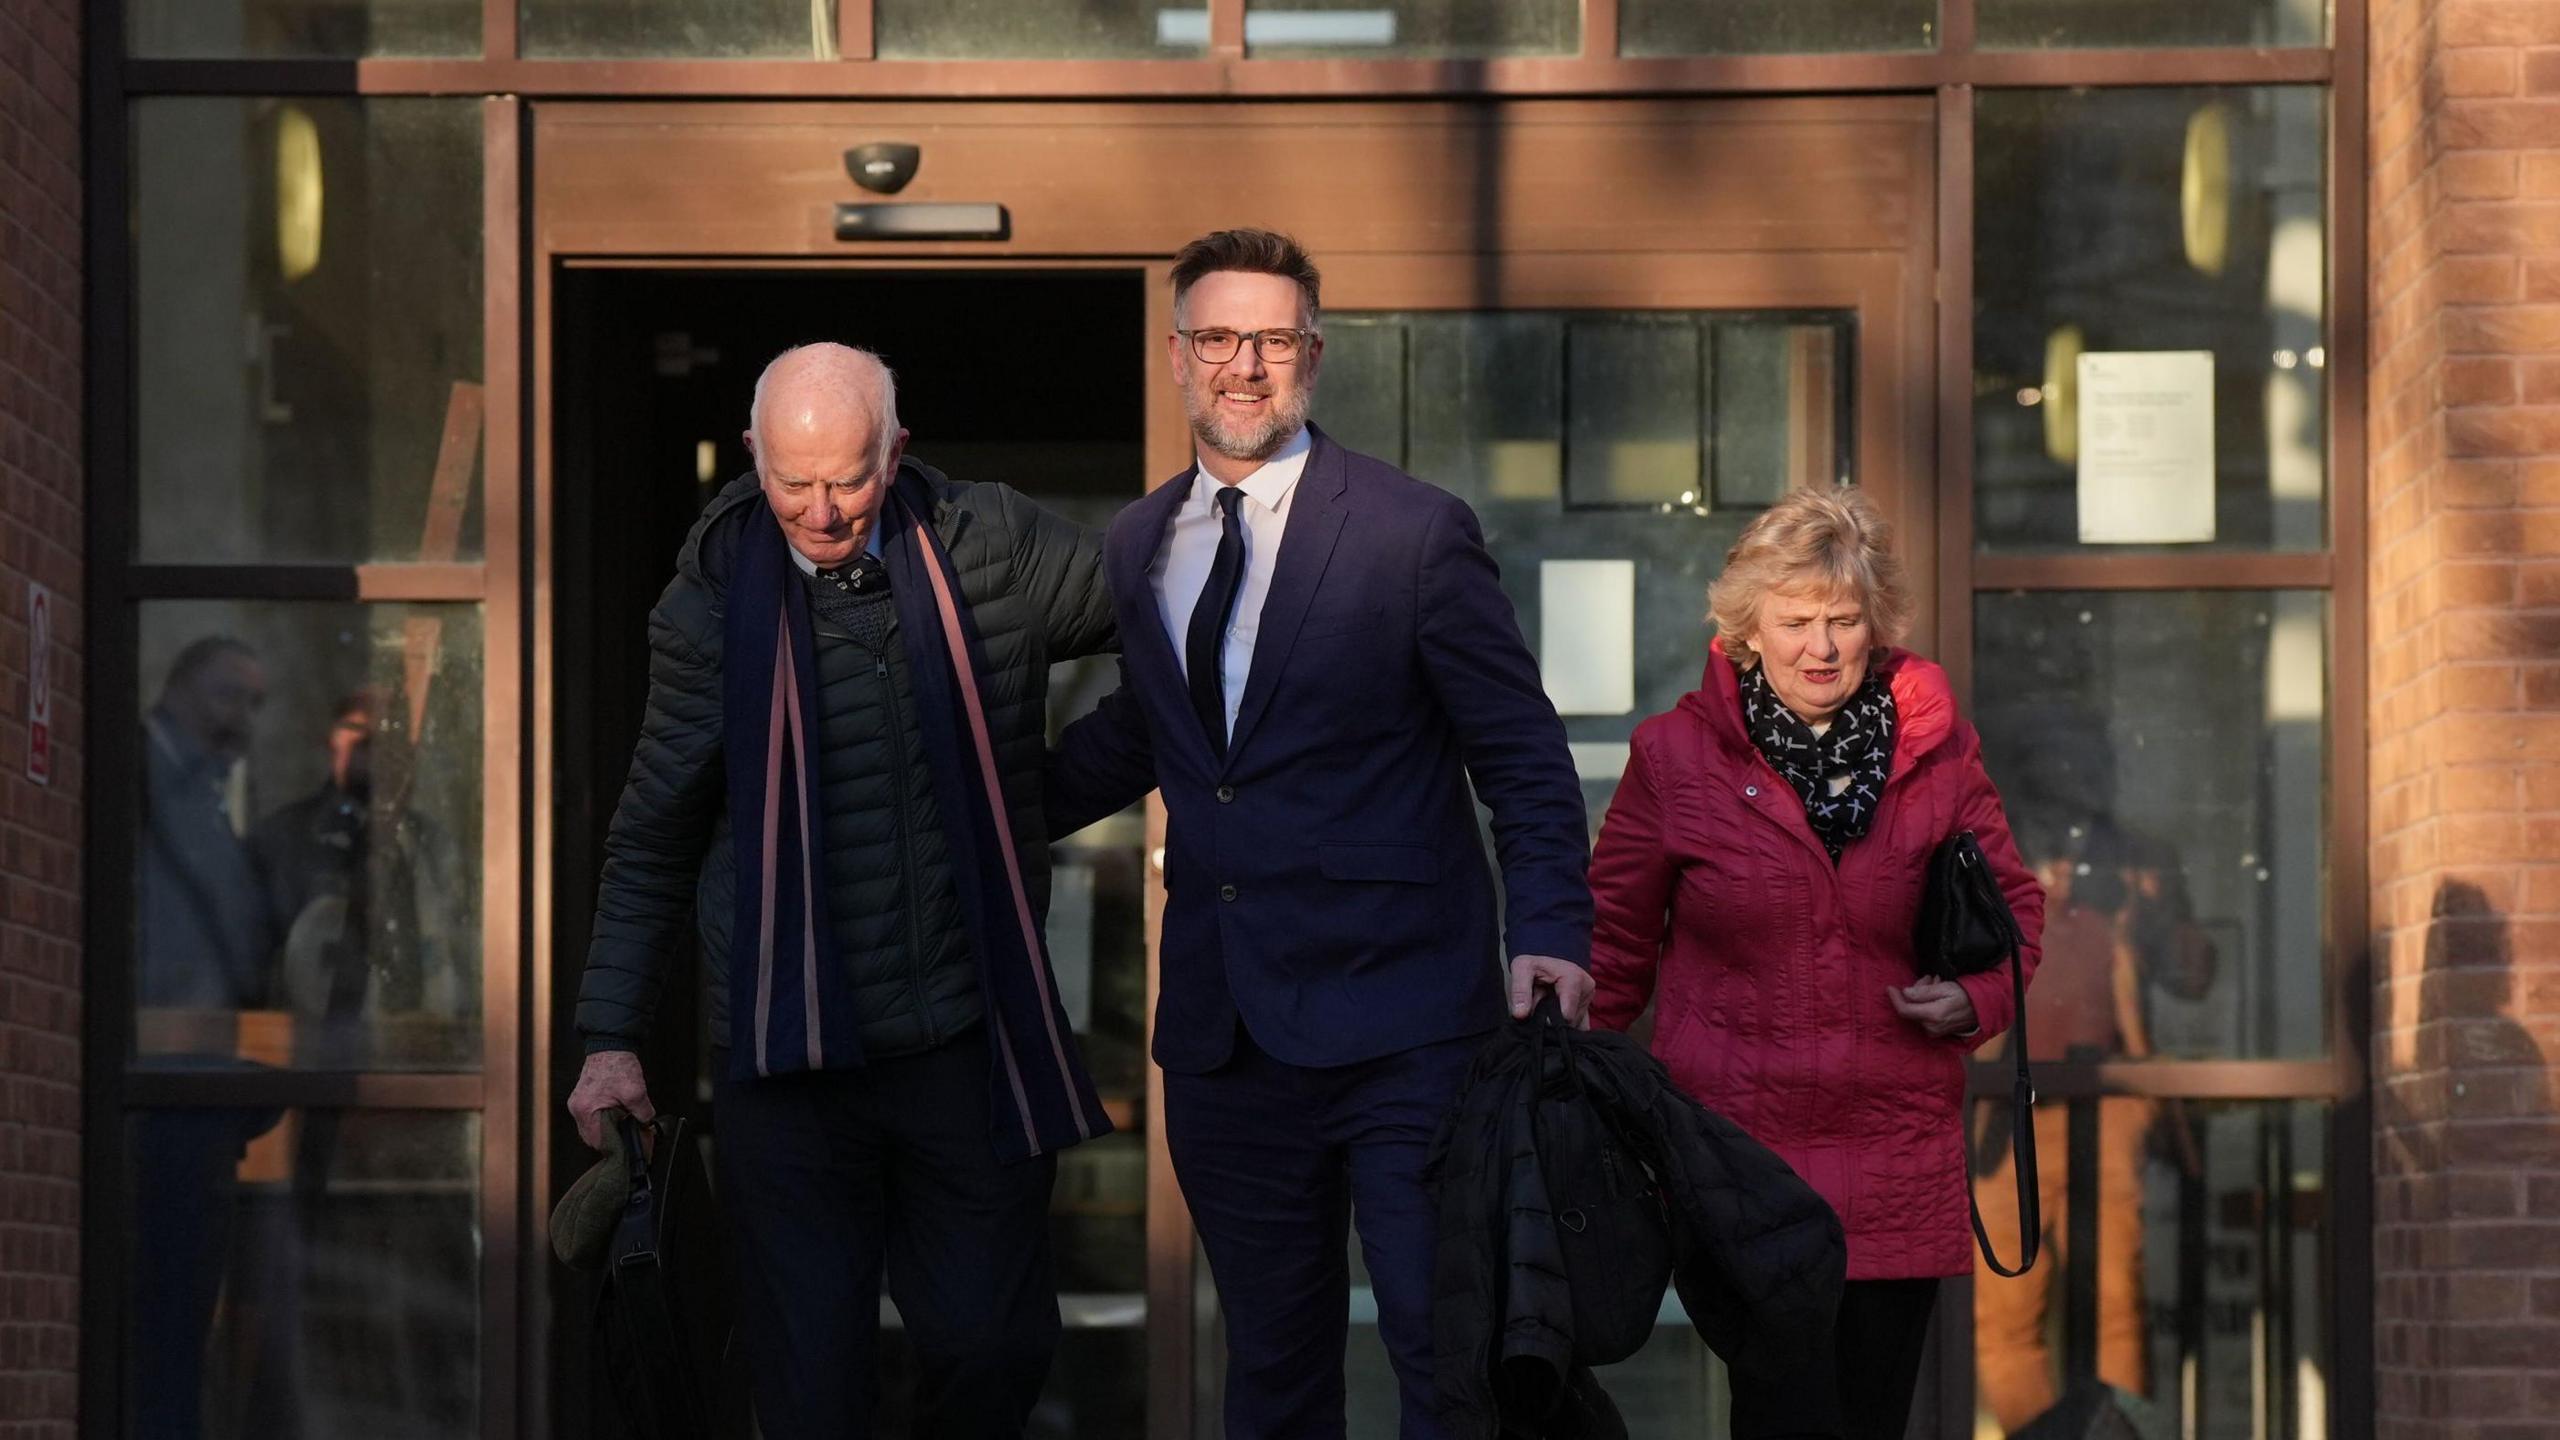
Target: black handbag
x,y
1965,928
648,1337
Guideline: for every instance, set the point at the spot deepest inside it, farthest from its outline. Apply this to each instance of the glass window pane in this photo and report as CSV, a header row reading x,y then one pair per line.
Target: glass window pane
x,y
1048,30
1775,27
304,1272
2210,1231
2130,220
1569,431
1429,29
1780,407
2135,24
259,29
2163,761
308,311
308,856
678,29
1632,433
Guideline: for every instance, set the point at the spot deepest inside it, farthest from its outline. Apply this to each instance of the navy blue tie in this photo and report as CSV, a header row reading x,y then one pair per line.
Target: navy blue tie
x,y
1204,649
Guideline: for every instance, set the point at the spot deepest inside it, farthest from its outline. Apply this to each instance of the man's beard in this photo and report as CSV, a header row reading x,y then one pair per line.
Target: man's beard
x,y
1257,440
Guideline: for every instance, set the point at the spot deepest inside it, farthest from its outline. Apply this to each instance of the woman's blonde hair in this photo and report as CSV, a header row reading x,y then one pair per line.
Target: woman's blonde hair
x,y
1823,540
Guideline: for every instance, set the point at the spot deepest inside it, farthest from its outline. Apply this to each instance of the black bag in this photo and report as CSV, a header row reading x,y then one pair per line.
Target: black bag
x,y
648,1339
1966,928
1611,1225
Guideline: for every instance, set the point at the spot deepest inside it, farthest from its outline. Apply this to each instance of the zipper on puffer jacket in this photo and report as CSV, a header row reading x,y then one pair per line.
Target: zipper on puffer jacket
x,y
902,773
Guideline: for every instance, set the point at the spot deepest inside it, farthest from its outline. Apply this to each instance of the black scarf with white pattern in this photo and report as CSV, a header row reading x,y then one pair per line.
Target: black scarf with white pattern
x,y
1859,745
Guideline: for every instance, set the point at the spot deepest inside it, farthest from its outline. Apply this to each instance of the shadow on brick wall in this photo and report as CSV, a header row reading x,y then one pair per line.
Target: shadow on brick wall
x,y
2466,1155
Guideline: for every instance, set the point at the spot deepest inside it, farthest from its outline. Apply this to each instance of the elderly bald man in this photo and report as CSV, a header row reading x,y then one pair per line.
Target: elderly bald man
x,y
838,783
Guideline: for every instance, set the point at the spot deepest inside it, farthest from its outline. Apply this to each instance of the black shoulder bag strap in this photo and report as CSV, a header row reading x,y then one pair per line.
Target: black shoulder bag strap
x,y
2022,1103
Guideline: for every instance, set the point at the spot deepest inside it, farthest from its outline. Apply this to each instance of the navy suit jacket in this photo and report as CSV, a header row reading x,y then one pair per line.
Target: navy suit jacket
x,y
1327,881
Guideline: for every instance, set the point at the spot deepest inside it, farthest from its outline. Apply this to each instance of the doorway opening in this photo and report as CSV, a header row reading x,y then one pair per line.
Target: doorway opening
x,y
1033,378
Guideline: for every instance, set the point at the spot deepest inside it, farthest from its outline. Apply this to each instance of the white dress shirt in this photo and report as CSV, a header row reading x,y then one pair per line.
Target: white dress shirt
x,y
1191,546
870,546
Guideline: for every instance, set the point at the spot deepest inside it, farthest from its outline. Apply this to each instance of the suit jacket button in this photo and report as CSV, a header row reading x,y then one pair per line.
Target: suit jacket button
x,y
1226,794
1226,892
1751,790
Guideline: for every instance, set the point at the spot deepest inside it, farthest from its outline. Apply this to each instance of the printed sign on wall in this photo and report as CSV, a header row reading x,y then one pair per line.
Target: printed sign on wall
x,y
39,684
2146,447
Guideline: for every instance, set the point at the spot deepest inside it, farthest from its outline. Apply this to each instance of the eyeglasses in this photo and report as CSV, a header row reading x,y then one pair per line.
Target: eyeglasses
x,y
1276,347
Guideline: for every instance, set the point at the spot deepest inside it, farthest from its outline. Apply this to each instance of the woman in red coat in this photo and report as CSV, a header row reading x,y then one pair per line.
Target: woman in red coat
x,y
1757,880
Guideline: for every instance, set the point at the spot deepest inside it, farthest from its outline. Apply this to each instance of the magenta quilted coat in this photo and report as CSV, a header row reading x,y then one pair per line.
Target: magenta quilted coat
x,y
1768,967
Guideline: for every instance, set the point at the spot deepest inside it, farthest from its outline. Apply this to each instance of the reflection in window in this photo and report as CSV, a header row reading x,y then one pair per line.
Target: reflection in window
x,y
1431,29
2162,759
308,864
308,373
1613,457
2131,220
1775,27
261,29
678,29
2135,24
1049,30
2210,1227
304,1272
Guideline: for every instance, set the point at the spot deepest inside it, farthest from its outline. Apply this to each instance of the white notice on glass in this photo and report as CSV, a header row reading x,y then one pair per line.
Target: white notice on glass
x,y
2146,447
1587,635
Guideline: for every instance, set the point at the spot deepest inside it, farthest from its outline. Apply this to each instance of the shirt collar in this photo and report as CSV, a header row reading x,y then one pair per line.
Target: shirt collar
x,y
870,546
1269,485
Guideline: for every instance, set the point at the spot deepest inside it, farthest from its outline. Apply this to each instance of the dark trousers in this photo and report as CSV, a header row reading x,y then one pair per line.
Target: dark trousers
x,y
1275,1160
1862,1390
187,1163
825,1176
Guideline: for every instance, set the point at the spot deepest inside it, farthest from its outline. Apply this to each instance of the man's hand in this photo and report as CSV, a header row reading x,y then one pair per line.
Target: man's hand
x,y
1938,1006
1571,983
611,1080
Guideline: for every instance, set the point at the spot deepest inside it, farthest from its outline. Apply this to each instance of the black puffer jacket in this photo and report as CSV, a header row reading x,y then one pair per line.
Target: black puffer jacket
x,y
1758,1256
1034,585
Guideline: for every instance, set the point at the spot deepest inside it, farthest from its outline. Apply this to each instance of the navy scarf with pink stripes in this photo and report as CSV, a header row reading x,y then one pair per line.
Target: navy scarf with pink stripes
x,y
792,1005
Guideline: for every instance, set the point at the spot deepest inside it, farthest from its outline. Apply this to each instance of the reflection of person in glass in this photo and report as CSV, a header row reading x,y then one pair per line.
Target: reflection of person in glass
x,y
2118,927
1760,872
207,935
847,689
205,950
367,928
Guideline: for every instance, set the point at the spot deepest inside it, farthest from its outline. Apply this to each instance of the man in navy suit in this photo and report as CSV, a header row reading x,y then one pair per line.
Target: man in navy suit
x,y
1317,660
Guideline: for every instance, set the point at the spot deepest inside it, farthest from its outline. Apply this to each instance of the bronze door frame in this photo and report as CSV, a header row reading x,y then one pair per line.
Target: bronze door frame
x,y
1448,216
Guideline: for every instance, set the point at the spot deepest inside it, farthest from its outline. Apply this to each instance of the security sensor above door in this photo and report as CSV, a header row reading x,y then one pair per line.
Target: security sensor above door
x,y
883,167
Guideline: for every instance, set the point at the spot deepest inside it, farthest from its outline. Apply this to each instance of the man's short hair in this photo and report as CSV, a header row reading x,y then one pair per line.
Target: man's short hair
x,y
199,657
1255,252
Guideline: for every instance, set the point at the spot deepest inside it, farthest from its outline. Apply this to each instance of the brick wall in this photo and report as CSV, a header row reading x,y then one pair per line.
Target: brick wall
x,y
39,827
2465,566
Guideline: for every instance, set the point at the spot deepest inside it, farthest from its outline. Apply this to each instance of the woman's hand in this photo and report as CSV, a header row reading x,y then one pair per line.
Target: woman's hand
x,y
1938,1006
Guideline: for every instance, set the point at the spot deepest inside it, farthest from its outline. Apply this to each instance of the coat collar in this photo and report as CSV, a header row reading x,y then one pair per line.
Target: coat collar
x,y
1924,704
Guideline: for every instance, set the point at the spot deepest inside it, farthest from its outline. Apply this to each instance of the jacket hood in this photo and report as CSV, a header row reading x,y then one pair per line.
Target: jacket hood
x,y
1923,700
